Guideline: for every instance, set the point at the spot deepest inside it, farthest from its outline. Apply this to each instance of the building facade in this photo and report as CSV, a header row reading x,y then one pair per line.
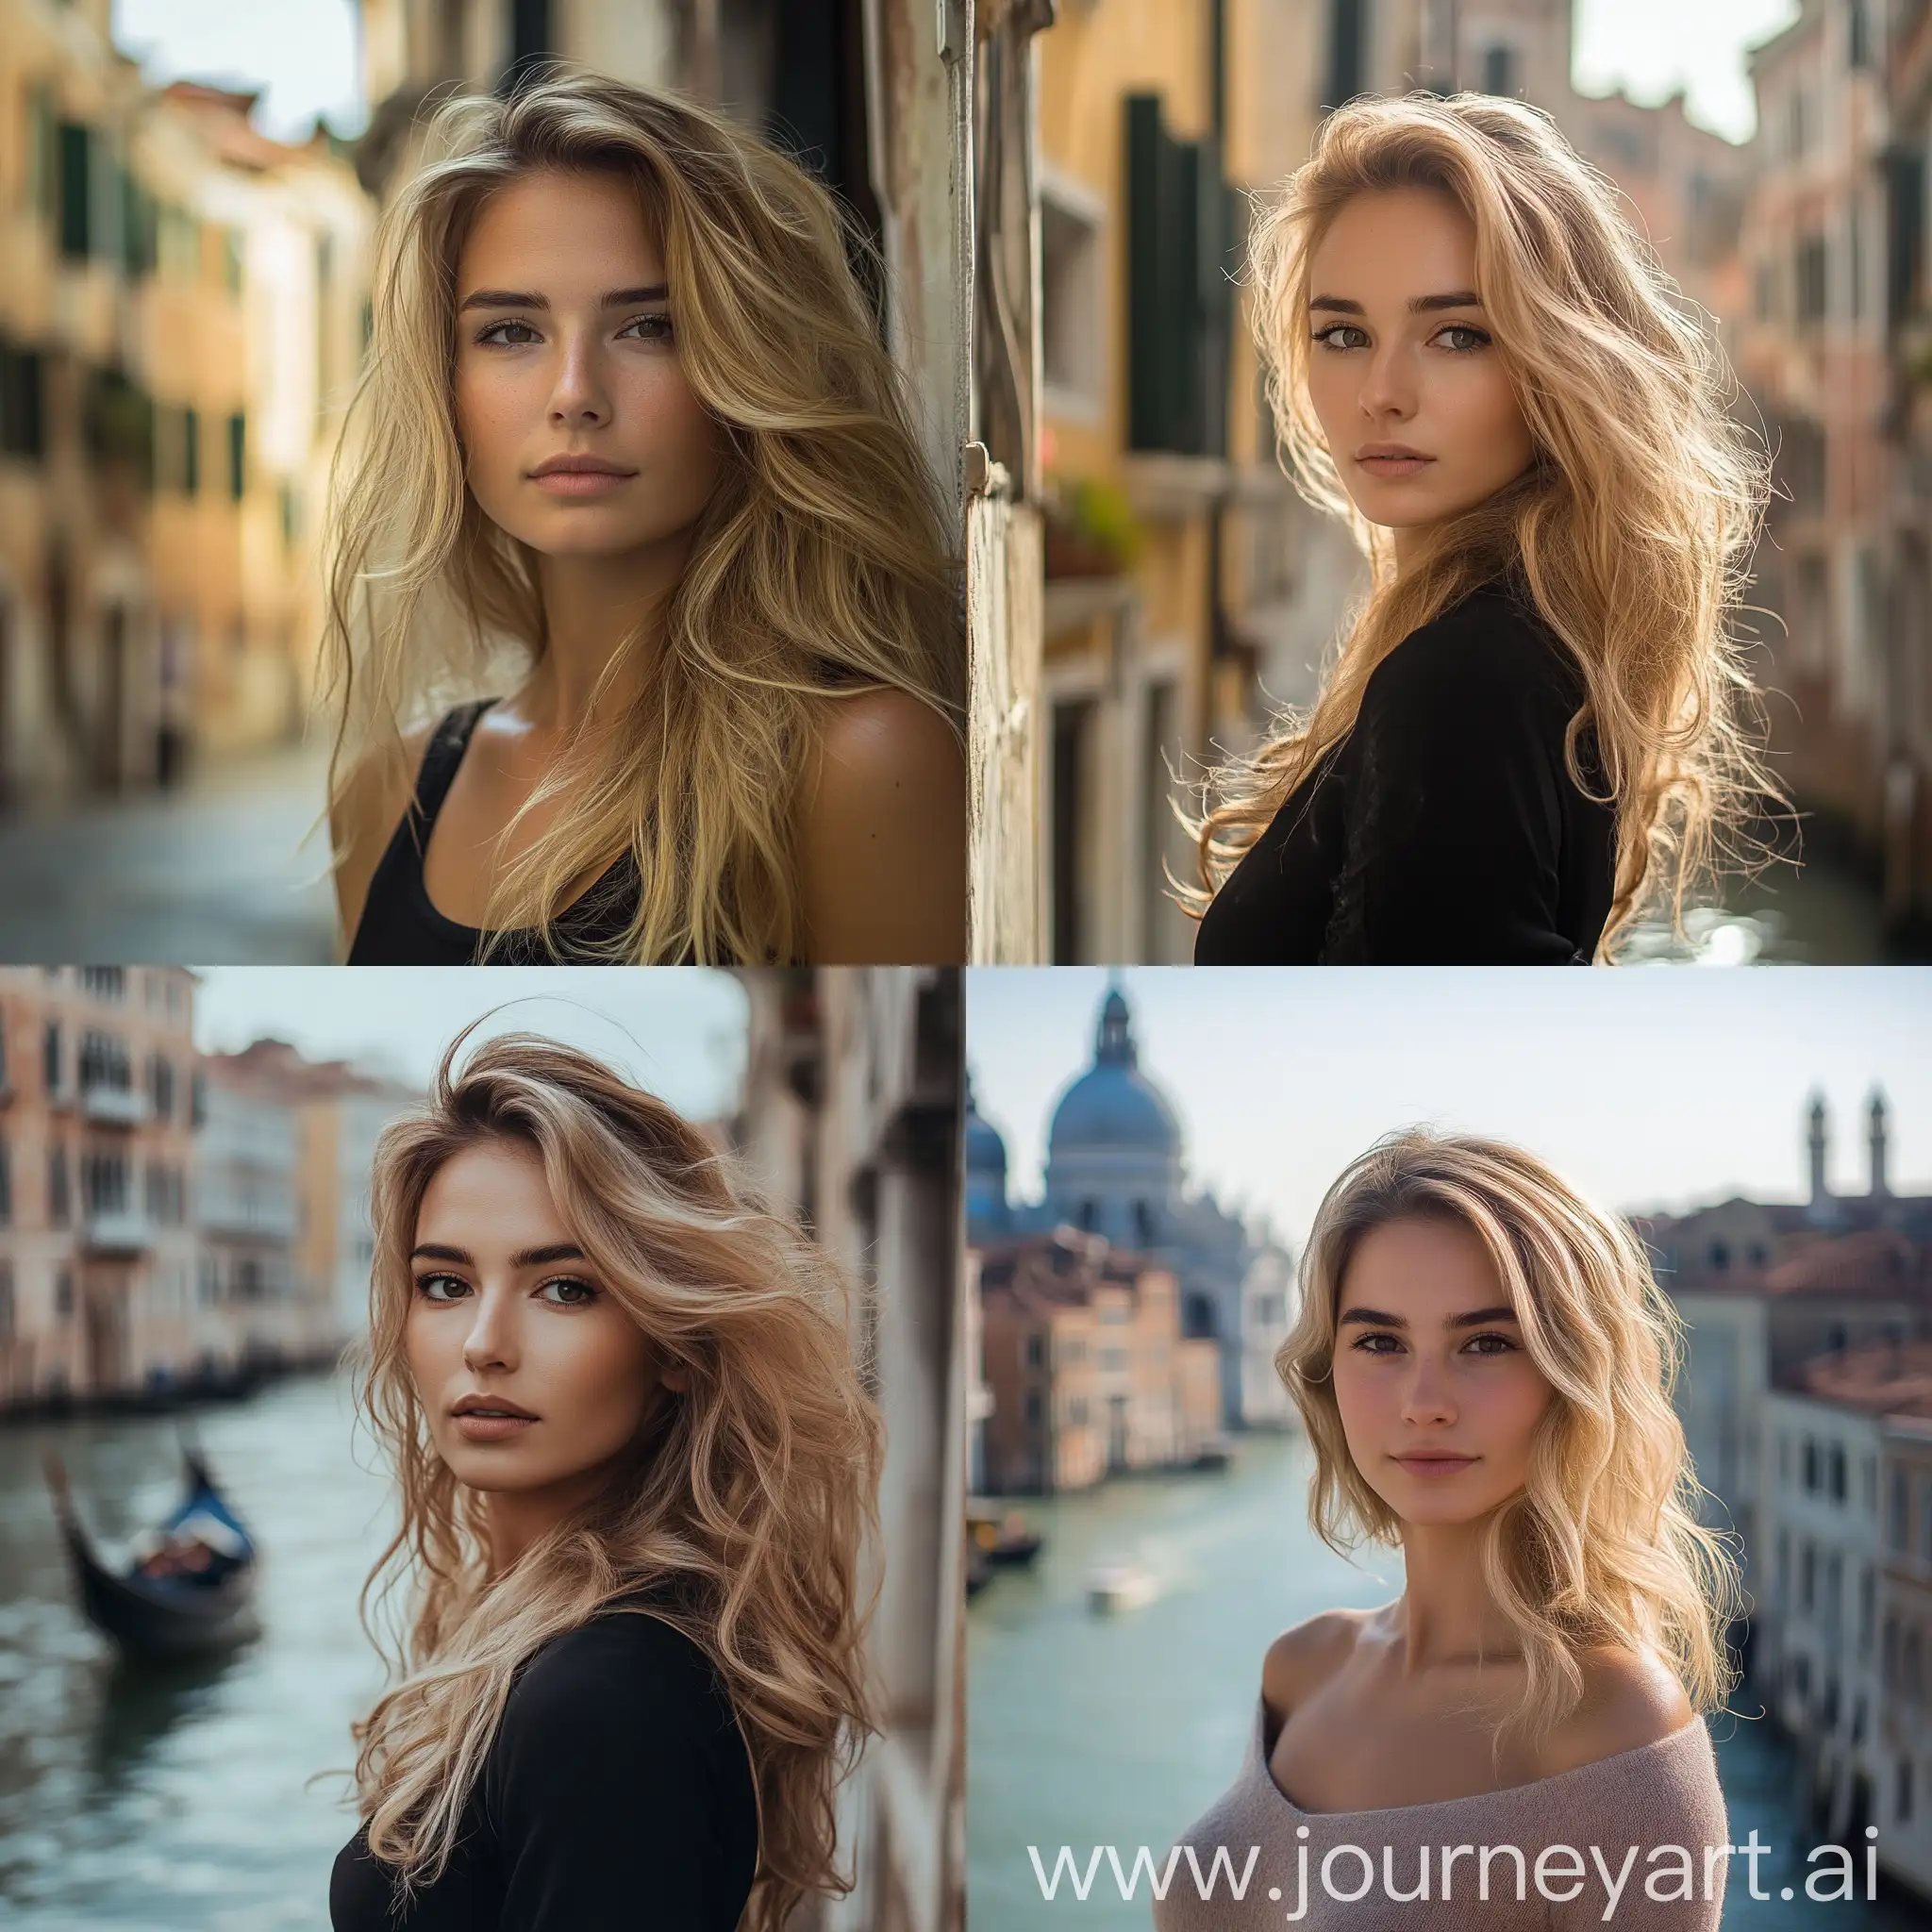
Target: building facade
x,y
851,1116
97,1289
178,304
1087,1371
1115,1168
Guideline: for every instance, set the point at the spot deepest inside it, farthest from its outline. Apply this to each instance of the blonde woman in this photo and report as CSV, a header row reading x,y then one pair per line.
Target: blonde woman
x,y
630,473
1482,1365
1539,722
635,1465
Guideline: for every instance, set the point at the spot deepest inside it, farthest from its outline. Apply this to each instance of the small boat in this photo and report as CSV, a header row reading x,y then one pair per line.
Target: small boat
x,y
188,1590
1118,1586
1002,1539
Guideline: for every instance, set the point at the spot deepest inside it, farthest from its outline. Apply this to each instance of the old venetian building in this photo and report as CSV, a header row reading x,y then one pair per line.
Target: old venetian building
x,y
97,1285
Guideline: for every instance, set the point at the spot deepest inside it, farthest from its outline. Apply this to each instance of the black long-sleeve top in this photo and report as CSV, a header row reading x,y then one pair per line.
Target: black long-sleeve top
x,y
1445,828
616,1796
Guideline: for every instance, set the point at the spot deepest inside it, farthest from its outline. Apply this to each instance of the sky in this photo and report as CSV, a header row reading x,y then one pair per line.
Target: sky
x,y
307,54
678,1032
1649,1088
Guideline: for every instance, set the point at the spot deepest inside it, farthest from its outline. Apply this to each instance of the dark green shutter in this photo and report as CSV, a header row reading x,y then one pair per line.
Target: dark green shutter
x,y
76,213
190,451
237,456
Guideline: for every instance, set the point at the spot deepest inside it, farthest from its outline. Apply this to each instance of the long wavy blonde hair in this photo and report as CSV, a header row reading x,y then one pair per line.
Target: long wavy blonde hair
x,y
1602,1544
822,567
1630,534
741,1516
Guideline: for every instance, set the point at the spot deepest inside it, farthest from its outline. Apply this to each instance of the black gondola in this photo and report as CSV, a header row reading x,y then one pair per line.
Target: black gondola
x,y
168,1616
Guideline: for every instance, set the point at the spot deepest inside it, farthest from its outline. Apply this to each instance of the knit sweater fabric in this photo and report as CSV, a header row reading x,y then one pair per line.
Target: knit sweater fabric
x,y
1620,1842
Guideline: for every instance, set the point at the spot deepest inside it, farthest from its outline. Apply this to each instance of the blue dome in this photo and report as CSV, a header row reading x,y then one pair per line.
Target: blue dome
x,y
1113,1103
985,1153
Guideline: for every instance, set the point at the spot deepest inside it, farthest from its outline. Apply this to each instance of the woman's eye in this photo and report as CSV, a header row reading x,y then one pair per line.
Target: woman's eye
x,y
494,337
1326,336
1364,1345
441,1287
1477,338
1503,1345
568,1293
652,329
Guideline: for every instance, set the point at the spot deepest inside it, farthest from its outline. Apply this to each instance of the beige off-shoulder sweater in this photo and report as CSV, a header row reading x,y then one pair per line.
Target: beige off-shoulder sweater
x,y
1619,1842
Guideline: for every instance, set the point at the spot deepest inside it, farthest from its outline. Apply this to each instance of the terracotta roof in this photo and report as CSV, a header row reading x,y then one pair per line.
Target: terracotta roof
x,y
223,116
1062,1269
1887,1379
277,1069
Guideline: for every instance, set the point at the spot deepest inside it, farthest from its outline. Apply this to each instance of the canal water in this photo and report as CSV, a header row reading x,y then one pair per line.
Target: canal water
x,y
147,1801
1119,1730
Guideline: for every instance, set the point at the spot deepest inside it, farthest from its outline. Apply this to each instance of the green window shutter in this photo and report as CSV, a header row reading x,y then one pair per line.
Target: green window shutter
x,y
1182,229
237,456
75,214
190,452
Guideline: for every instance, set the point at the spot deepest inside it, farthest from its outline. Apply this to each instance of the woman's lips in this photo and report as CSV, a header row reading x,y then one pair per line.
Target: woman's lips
x,y
581,482
1436,1465
1394,466
491,1428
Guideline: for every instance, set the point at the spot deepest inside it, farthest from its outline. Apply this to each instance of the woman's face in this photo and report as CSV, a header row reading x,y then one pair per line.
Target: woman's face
x,y
533,1376
1439,1397
1403,355
565,350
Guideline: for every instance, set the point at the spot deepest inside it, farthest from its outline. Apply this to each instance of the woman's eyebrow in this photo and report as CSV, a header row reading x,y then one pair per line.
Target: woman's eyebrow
x,y
511,298
1422,305
1475,1319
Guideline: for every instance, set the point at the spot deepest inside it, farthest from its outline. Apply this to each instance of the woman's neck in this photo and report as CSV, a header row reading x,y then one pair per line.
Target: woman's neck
x,y
1447,1614
595,607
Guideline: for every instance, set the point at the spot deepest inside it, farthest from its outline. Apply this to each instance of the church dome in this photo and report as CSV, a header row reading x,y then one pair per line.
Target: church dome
x,y
985,1153
1113,1104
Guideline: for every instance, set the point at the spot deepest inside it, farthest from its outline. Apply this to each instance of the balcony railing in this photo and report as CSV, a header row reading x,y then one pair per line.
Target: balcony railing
x,y
117,1230
114,1107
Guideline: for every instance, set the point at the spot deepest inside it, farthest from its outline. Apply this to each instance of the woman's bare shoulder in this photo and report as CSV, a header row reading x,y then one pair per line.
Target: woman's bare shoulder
x,y
881,835
1630,1699
1306,1655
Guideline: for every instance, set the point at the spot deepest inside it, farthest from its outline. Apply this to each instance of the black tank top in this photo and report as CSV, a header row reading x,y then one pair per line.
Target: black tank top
x,y
400,927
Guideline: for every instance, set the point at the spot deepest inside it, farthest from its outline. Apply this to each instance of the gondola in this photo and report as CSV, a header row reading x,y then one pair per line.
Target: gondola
x,y
159,1617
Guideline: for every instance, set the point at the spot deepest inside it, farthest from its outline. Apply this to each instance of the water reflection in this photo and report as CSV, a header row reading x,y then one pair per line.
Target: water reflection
x,y
143,1797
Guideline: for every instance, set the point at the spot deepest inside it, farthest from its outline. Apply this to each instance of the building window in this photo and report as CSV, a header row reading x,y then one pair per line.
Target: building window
x,y
1837,1472
1913,1681
1810,1466
1904,1791
1499,69
1867,1605
77,150
1812,265
1033,1407
160,1086
1887,1657
63,1294
190,452
1036,1354
1347,33
58,1204
1069,301
51,1058
1895,1527
105,982
1858,37
103,1063
237,456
